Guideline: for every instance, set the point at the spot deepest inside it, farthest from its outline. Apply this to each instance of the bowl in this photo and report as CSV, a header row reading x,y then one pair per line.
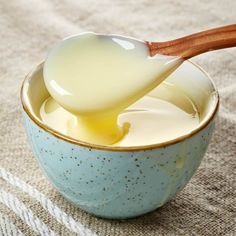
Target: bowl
x,y
121,182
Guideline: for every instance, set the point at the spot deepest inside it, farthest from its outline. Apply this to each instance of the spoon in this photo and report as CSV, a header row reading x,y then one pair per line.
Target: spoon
x,y
195,44
92,73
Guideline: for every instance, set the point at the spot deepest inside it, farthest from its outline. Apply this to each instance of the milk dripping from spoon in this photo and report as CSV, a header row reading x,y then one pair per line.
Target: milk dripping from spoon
x,y
97,76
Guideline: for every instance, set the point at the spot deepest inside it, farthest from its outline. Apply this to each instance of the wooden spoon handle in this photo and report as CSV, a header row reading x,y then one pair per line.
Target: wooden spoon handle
x,y
195,44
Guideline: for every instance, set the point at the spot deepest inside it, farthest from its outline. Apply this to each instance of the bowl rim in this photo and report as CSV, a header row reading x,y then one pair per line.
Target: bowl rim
x,y
66,138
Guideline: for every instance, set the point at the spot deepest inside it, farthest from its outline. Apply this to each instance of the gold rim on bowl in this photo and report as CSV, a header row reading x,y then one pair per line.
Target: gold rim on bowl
x,y
66,138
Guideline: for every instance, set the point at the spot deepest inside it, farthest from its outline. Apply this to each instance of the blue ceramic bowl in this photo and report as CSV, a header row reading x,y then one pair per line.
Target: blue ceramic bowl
x,y
116,182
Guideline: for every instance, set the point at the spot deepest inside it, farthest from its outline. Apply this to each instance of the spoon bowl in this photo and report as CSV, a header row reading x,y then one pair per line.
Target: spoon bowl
x,y
91,73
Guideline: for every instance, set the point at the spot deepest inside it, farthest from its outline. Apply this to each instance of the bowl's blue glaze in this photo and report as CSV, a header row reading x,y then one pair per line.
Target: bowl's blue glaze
x,y
117,184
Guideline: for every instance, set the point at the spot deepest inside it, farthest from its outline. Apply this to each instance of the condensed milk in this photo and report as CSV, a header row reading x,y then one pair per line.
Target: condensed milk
x,y
98,86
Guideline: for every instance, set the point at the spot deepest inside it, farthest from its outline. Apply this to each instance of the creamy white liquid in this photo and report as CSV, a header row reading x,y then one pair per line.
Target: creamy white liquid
x,y
92,74
95,78
148,121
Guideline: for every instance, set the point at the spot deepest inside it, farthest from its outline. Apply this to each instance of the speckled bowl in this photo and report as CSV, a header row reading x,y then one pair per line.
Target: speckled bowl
x,y
116,182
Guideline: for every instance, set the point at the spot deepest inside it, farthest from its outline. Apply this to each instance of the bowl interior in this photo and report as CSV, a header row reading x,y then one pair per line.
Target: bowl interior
x,y
189,78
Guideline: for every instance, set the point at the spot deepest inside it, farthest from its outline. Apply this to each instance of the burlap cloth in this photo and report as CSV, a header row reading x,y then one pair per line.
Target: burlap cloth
x,y
27,200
